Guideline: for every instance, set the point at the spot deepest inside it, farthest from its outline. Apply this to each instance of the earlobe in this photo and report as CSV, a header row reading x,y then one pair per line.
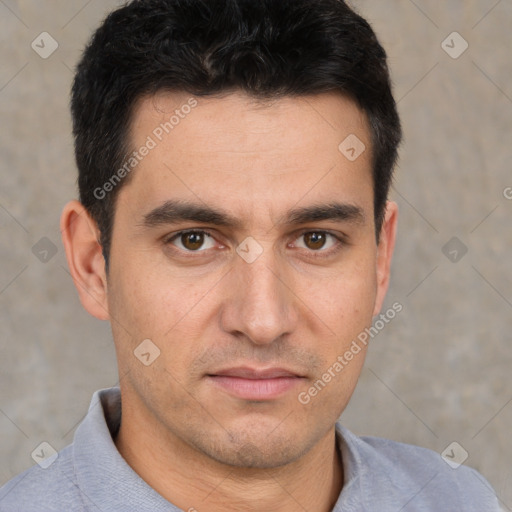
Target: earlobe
x,y
85,259
385,253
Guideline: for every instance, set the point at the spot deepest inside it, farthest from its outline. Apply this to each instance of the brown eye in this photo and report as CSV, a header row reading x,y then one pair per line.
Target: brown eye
x,y
318,242
192,241
315,241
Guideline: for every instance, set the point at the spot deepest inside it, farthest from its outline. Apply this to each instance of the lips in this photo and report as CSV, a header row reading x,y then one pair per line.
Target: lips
x,y
255,384
256,374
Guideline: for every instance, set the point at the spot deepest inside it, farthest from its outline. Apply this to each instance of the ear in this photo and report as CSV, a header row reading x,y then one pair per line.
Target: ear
x,y
385,253
80,235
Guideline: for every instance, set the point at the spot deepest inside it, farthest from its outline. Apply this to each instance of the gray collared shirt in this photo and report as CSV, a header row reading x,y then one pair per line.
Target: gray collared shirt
x,y
90,475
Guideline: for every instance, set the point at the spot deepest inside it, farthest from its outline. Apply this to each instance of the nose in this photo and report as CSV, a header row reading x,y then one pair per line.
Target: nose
x,y
260,303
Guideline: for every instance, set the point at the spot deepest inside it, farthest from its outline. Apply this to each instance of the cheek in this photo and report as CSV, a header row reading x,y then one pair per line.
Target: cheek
x,y
149,301
345,299
346,309
169,311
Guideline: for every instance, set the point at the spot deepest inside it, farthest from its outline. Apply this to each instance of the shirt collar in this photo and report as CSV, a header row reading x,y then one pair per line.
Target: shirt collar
x,y
104,477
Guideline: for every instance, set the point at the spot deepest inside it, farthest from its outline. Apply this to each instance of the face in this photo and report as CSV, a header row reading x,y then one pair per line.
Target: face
x,y
251,293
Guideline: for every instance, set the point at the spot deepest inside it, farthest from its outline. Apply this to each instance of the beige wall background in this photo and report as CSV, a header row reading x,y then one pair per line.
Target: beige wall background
x,y
439,372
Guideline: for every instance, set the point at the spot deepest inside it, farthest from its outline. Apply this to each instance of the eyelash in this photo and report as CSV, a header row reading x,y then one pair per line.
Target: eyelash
x,y
340,242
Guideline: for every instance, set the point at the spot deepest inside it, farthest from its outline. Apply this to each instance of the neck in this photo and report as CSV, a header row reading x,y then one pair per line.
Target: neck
x,y
194,482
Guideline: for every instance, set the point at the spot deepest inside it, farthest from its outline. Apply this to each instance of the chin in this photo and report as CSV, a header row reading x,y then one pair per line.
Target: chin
x,y
253,450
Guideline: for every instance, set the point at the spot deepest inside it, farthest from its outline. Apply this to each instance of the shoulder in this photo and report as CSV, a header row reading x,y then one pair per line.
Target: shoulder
x,y
51,489
417,479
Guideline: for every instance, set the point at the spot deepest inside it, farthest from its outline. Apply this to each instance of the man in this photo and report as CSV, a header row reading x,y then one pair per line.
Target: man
x,y
234,160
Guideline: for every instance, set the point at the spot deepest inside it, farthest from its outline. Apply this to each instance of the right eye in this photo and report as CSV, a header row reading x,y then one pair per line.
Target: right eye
x,y
191,241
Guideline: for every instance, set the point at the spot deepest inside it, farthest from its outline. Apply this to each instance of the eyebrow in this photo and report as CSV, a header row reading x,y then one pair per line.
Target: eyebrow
x,y
176,211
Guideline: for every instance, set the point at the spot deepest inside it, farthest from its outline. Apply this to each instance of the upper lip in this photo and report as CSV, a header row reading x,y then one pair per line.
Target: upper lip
x,y
245,372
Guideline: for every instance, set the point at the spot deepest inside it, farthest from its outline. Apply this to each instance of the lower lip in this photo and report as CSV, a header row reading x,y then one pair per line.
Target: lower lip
x,y
255,389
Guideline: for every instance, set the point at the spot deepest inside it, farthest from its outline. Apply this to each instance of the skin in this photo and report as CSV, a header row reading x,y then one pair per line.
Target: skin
x,y
197,445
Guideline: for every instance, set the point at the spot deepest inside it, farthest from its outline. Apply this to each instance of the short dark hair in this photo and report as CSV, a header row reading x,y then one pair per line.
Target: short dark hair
x,y
266,48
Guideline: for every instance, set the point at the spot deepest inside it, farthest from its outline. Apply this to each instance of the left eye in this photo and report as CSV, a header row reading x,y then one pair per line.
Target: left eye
x,y
317,241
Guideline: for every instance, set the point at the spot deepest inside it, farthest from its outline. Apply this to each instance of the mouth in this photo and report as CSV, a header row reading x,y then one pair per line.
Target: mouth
x,y
256,384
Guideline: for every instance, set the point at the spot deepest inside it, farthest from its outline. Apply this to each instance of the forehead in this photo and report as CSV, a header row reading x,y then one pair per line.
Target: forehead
x,y
238,147
231,120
